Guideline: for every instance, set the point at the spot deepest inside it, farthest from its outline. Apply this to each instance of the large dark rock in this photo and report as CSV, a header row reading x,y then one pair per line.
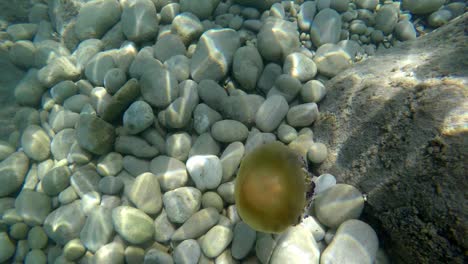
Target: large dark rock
x,y
396,127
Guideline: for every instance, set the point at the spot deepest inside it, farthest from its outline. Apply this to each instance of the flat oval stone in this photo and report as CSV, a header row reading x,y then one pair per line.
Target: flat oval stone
x,y
12,172
181,203
187,252
205,170
132,224
295,245
33,206
216,240
271,113
36,143
302,115
243,240
65,223
228,131
146,193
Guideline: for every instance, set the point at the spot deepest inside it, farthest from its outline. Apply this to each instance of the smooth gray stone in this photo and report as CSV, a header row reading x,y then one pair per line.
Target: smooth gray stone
x,y
8,247
132,224
85,51
314,226
317,153
22,53
143,62
331,59
121,100
155,138
286,86
326,27
168,46
277,10
295,245
242,241
178,145
203,9
367,4
112,253
436,19
264,247
90,201
205,171
306,15
163,228
60,119
139,21
67,196
110,201
300,66
228,131
422,7
197,225
18,231
78,155
204,145
73,250
35,256
146,193
13,169
157,256
324,182
271,113
386,19
26,116
138,117
277,39
231,158
114,79
135,146
37,238
313,91
187,26
110,185
178,114
179,65
135,166
159,87
33,207
110,164
302,115
247,66
216,240
62,143
57,70
98,66
214,54
171,172
84,181
63,90
94,134
98,229
257,138
35,143
181,203
187,252
21,31
204,117
95,18
56,180
29,90
212,94
404,30
168,12
212,199
65,223
352,234
337,204
268,77
242,108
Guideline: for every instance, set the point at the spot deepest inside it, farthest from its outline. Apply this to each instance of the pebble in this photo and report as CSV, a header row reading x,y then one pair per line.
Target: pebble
x,y
114,79
159,87
135,166
277,39
90,23
78,155
168,46
179,112
300,66
367,4
437,19
22,31
97,230
22,53
168,12
422,7
181,203
135,146
29,90
247,66
121,100
57,70
155,138
386,19
56,180
306,15
337,204
5,150
324,182
295,245
317,153
286,86
138,117
205,170
74,249
35,143
216,241
204,145
313,91
134,254
157,256
228,131
146,193
90,201
62,119
67,196
202,9
230,159
163,228
7,246
302,115
187,26
331,59
110,254
62,143
170,172
203,117
242,108
350,235
212,94
35,256
132,224
286,133
139,21
12,172
98,66
271,113
178,145
94,134
214,54
37,238
187,252
302,144
212,199
242,241
404,30
84,181
110,164
268,77
226,191
65,223
143,62
18,231
179,65
326,27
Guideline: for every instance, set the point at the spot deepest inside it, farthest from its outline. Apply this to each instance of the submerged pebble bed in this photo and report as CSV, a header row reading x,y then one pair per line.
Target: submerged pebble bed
x,y
134,121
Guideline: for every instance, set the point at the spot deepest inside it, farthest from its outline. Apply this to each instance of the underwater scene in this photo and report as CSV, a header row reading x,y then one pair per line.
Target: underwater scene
x,y
233,131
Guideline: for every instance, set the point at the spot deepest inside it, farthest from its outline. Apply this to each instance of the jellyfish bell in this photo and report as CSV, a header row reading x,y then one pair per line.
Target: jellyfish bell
x,y
270,190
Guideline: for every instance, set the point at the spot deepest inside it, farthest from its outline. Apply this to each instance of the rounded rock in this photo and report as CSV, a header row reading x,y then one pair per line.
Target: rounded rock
x,y
271,113
313,91
317,153
205,170
36,143
146,193
187,252
171,172
302,115
216,240
181,203
228,131
132,224
138,117
300,66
